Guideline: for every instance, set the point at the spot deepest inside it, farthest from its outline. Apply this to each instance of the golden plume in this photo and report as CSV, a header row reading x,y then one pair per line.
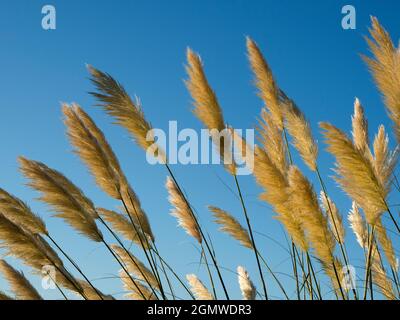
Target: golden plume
x,y
92,294
93,148
386,244
4,297
304,200
63,196
360,128
118,104
136,267
246,285
135,292
272,141
198,288
355,173
182,211
302,137
334,217
384,161
275,186
264,80
385,68
18,212
20,285
379,276
208,110
33,251
358,226
121,224
231,226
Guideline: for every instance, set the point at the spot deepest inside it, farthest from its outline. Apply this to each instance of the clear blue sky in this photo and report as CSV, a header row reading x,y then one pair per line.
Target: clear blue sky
x,y
142,44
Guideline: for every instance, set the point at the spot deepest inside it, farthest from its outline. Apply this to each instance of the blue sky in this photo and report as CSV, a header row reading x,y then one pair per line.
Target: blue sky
x,y
142,44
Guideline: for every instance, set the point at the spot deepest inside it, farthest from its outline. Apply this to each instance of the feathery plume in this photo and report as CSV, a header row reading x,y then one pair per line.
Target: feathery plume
x,y
304,200
117,103
18,212
63,196
33,251
198,288
135,292
136,267
93,148
302,137
334,217
358,226
246,285
379,276
21,287
121,224
275,185
386,244
272,141
207,109
265,82
182,211
231,226
4,297
355,173
360,127
385,69
384,161
92,294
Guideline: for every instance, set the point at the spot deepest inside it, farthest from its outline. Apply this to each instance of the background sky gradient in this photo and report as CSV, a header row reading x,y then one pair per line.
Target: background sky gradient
x,y
143,44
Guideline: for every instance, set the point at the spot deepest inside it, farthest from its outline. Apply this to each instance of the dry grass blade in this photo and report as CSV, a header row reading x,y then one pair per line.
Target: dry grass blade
x,y
135,292
121,224
136,267
355,173
246,285
358,226
18,212
198,288
385,68
207,109
93,148
20,285
231,226
63,196
302,137
334,217
182,211
272,141
264,80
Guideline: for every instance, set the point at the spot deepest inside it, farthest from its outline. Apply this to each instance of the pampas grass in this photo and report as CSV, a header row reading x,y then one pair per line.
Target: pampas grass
x,y
92,147
198,288
182,211
358,225
364,169
246,285
20,285
231,226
